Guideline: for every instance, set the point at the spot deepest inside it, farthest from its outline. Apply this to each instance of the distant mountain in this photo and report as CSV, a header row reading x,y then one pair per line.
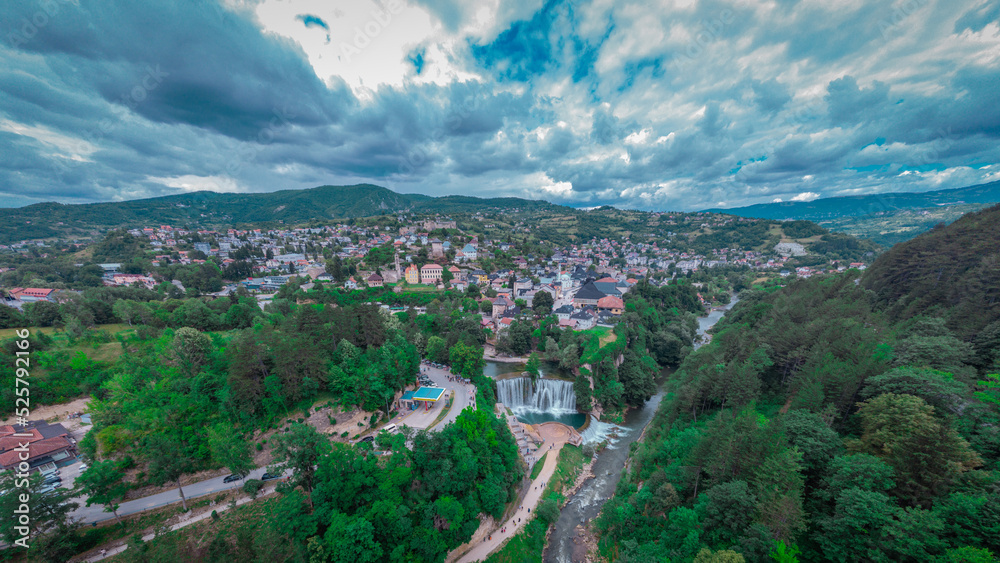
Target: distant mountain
x,y
210,208
852,206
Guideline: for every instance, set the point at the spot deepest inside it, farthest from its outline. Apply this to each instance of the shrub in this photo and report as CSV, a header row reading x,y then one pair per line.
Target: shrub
x,y
548,511
252,487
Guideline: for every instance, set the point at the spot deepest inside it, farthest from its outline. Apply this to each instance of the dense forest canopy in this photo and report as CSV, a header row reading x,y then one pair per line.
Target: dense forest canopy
x,y
843,418
953,272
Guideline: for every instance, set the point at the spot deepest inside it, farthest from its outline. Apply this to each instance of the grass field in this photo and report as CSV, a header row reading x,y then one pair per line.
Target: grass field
x,y
605,334
52,331
538,466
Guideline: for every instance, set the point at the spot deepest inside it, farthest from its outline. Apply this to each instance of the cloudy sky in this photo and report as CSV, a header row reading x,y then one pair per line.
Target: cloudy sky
x,y
685,104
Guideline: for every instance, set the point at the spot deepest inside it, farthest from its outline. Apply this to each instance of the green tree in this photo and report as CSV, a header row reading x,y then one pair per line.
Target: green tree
x,y
299,449
725,511
104,483
581,388
706,555
926,453
190,349
46,511
168,461
854,532
520,337
569,356
532,367
938,388
230,448
542,303
349,539
42,313
814,438
437,349
467,360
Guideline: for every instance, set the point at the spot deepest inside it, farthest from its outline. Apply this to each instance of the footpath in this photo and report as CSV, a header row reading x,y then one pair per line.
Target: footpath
x,y
486,541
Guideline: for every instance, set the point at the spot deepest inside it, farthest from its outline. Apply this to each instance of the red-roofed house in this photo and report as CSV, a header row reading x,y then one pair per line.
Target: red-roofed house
x,y
32,294
611,303
37,444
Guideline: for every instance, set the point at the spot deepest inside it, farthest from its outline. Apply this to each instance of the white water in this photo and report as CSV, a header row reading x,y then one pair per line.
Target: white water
x,y
547,395
598,431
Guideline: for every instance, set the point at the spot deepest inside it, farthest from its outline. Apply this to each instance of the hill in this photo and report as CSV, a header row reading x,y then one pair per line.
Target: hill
x,y
854,206
207,209
951,271
890,227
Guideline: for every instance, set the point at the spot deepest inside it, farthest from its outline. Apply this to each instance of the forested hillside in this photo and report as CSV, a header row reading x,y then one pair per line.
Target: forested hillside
x,y
211,209
952,272
834,419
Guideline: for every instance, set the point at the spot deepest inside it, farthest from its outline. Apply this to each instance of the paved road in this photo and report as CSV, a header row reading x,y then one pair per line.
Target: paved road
x,y
95,513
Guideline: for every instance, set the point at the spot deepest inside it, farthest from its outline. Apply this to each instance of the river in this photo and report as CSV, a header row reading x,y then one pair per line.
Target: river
x,y
586,504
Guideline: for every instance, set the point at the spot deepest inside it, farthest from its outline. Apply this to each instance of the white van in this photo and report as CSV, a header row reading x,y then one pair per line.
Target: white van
x,y
390,428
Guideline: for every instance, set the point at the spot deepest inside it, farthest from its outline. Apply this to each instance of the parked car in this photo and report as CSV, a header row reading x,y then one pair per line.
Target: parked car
x,y
270,476
367,439
233,477
83,467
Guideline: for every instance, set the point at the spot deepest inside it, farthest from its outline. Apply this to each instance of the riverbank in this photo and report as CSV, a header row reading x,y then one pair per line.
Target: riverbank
x,y
572,538
491,356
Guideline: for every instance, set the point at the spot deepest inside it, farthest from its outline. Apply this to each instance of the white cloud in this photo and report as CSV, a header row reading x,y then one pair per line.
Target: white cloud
x,y
806,196
192,183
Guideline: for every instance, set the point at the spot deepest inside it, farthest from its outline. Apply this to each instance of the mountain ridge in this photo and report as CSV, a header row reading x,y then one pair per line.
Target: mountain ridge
x,y
48,219
849,206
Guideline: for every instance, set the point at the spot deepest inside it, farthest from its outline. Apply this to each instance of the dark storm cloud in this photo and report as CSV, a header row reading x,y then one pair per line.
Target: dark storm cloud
x,y
182,62
633,104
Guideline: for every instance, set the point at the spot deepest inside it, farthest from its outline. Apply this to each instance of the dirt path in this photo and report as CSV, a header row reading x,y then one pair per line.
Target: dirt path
x,y
58,413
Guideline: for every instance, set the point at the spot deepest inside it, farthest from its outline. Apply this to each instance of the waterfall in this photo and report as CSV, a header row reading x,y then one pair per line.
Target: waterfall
x,y
547,395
